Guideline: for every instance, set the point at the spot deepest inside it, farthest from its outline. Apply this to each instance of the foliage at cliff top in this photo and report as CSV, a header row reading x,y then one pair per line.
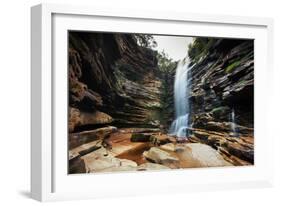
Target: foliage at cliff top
x,y
199,48
146,40
165,63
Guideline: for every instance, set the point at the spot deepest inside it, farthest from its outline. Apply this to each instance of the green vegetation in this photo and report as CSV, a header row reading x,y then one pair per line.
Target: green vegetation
x,y
165,64
199,48
232,66
146,40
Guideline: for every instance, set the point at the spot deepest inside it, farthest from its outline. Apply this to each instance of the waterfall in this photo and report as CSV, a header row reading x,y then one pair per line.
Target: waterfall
x,y
180,125
233,124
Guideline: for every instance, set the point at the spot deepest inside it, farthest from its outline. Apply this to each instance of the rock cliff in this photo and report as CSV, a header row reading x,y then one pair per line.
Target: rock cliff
x,y
222,98
223,83
111,80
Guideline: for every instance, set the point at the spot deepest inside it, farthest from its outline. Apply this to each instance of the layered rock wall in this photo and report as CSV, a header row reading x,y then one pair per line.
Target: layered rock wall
x,y
223,84
222,99
113,79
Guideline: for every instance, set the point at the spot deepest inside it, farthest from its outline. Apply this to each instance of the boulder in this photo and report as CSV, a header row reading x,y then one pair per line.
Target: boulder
x,y
99,160
159,156
193,155
99,164
169,147
126,162
103,161
173,147
205,155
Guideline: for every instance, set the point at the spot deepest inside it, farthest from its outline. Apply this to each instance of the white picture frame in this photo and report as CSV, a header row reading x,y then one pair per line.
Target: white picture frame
x,y
49,179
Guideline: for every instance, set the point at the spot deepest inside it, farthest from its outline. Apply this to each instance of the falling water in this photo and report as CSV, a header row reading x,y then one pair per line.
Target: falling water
x,y
180,125
233,124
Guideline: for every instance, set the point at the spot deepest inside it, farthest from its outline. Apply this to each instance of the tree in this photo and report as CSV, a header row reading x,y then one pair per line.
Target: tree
x,y
146,40
199,48
165,63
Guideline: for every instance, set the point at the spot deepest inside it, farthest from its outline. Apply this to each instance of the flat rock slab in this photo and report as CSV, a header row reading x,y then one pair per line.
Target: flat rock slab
x,y
121,143
103,161
194,155
204,155
188,155
86,148
77,139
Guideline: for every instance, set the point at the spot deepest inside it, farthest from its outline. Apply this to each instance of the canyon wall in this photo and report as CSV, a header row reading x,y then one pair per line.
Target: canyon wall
x,y
223,83
222,98
112,80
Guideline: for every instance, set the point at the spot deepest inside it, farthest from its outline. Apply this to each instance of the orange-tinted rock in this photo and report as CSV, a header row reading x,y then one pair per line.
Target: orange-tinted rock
x,y
159,156
238,150
78,118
